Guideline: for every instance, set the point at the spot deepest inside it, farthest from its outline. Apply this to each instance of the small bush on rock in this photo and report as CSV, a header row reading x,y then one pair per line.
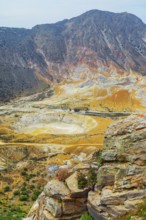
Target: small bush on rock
x,y
82,181
92,177
99,159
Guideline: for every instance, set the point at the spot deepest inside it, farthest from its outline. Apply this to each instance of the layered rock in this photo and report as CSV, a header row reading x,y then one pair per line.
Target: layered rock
x,y
121,180
60,200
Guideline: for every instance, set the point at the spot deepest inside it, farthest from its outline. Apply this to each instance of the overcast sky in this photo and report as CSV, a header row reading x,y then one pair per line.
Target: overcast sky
x,y
27,13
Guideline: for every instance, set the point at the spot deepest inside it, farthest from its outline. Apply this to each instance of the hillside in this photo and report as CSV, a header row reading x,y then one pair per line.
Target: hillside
x,y
97,40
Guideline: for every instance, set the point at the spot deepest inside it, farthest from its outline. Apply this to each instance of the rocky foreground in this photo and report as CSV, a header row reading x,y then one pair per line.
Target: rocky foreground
x,y
121,179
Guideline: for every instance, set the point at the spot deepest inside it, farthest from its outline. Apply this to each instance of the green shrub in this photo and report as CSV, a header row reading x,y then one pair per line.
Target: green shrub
x,y
28,178
23,188
86,216
25,169
32,175
32,187
99,159
23,173
16,192
34,197
24,193
37,192
82,181
23,198
7,189
59,200
92,177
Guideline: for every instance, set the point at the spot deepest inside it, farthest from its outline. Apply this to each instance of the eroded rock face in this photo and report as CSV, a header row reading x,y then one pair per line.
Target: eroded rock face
x,y
121,180
125,141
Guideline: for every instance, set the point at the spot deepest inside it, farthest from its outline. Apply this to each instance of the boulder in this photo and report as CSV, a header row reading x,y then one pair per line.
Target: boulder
x,y
71,206
56,188
47,215
53,206
132,204
33,209
116,211
108,197
130,177
95,214
106,176
94,199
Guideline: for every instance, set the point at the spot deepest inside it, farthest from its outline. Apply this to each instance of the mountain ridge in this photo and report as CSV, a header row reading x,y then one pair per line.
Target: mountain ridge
x,y
49,52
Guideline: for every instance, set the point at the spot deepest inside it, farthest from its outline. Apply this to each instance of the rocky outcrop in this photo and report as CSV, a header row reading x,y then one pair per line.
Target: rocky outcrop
x,y
60,200
121,180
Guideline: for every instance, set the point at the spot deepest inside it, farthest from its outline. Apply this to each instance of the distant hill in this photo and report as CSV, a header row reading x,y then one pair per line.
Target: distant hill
x,y
32,59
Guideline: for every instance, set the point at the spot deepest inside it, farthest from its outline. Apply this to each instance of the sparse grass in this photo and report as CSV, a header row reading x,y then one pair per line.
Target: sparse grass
x,y
99,159
82,181
22,193
10,211
91,177
86,216
87,180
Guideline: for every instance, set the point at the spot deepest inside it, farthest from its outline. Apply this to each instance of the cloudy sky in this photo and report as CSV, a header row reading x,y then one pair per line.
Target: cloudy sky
x,y
27,13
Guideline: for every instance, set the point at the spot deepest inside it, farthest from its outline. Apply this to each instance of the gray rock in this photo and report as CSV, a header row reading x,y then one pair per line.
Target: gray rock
x,y
73,206
53,168
56,188
109,155
54,207
116,211
108,197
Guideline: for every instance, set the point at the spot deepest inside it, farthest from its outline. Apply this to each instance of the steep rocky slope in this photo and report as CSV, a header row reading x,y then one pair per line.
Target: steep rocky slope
x,y
121,179
49,53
